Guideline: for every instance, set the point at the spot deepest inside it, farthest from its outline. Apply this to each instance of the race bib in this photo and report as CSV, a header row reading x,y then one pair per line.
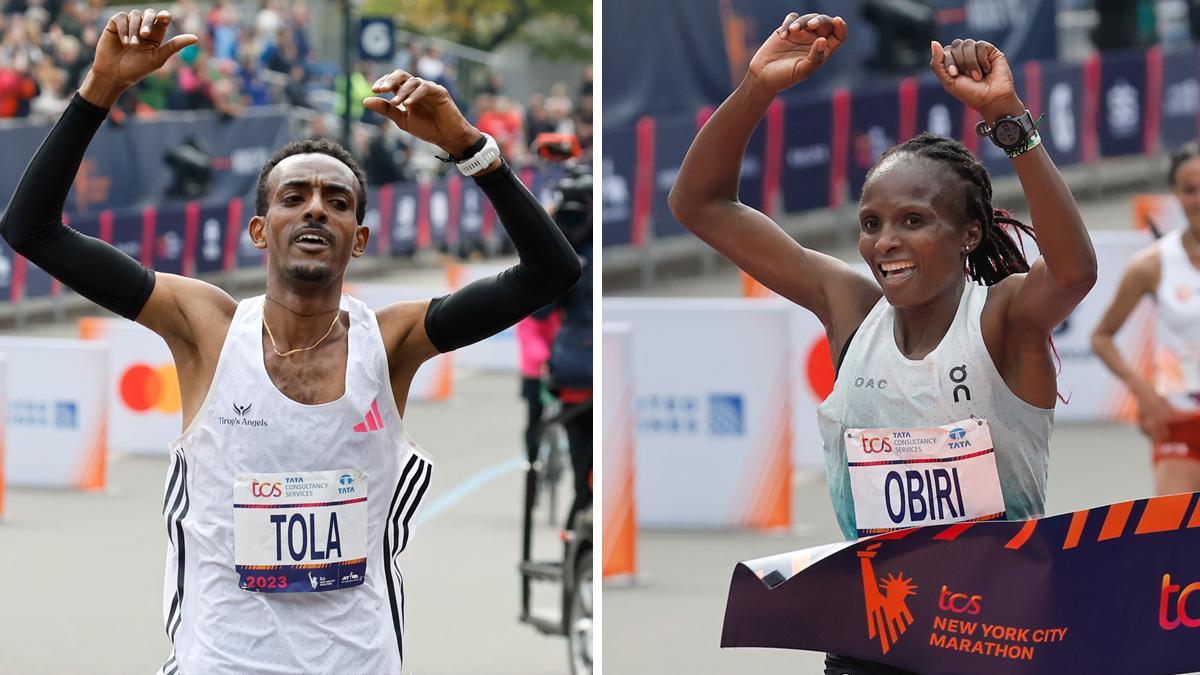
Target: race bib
x,y
914,477
300,532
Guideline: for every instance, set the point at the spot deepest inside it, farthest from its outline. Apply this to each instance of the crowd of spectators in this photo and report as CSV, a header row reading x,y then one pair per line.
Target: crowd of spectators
x,y
244,59
260,53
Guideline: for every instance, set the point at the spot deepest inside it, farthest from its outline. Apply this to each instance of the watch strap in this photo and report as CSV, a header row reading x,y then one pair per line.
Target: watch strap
x,y
468,153
478,161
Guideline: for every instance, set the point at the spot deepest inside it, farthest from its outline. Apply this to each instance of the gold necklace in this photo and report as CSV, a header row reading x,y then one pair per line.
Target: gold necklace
x,y
288,353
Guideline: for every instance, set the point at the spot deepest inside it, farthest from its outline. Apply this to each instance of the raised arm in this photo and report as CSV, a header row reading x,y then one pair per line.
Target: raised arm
x,y
130,47
976,73
547,267
705,195
1141,279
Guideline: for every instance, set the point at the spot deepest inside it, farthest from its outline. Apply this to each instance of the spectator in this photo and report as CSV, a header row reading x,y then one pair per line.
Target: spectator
x,y
52,100
17,88
536,120
384,157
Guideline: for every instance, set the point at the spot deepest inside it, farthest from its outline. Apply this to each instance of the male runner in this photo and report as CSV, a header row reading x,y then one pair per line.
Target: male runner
x,y
294,485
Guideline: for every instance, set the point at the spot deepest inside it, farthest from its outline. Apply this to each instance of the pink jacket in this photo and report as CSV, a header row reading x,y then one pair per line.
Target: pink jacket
x,y
534,337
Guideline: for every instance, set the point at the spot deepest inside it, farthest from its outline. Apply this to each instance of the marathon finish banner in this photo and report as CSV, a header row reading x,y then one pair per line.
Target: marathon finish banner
x,y
1122,104
1110,589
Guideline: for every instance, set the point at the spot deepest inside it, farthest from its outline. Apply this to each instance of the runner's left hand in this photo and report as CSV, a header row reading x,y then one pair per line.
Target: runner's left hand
x,y
976,73
423,109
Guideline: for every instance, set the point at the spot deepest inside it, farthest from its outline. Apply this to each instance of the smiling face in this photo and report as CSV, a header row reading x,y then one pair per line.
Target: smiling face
x,y
912,231
310,226
1187,190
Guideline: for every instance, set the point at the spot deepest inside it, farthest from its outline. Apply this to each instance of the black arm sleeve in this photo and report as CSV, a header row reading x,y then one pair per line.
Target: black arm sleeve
x,y
548,268
33,225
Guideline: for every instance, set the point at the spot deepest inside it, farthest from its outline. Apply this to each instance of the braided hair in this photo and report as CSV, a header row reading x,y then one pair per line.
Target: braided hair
x,y
997,256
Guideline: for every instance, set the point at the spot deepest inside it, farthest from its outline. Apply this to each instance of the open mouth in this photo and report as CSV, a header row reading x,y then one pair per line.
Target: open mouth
x,y
312,240
896,271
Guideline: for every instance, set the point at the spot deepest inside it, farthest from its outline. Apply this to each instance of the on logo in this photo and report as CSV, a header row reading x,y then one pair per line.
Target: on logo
x,y
958,375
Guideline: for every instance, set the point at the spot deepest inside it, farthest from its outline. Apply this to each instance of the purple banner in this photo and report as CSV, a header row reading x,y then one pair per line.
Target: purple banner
x,y
1102,590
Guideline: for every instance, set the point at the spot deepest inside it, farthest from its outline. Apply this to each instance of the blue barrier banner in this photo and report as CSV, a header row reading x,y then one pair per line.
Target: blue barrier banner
x,y
1122,104
470,218
1062,101
439,213
125,164
807,134
168,238
7,262
673,135
618,166
127,232
750,190
210,238
240,211
404,219
937,111
1180,98
1101,590
874,122
37,282
1022,30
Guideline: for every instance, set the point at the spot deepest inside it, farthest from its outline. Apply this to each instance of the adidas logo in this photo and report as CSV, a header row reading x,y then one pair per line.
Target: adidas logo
x,y
373,421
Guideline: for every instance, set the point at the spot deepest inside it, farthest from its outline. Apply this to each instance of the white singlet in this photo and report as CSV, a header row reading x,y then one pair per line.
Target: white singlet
x,y
1178,329
880,389
285,520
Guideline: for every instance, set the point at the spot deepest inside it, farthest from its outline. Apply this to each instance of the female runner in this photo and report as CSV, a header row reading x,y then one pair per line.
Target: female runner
x,y
944,351
1169,407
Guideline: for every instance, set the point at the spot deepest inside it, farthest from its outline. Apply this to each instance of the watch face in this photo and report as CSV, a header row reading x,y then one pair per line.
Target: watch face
x,y
1008,133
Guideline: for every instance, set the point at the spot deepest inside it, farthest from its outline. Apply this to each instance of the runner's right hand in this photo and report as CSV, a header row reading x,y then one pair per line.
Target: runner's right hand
x,y
1154,412
131,46
796,49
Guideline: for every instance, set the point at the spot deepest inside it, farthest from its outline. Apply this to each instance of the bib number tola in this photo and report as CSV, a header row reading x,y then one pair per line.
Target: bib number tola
x,y
303,532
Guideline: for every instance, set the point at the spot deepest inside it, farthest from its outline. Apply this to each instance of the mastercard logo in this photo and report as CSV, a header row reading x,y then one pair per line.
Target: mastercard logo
x,y
145,388
819,369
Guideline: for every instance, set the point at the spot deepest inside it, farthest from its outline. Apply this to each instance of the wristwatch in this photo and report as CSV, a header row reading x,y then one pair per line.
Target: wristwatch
x,y
1011,134
477,157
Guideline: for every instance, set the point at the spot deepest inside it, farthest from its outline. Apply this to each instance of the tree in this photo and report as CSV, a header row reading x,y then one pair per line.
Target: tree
x,y
553,28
